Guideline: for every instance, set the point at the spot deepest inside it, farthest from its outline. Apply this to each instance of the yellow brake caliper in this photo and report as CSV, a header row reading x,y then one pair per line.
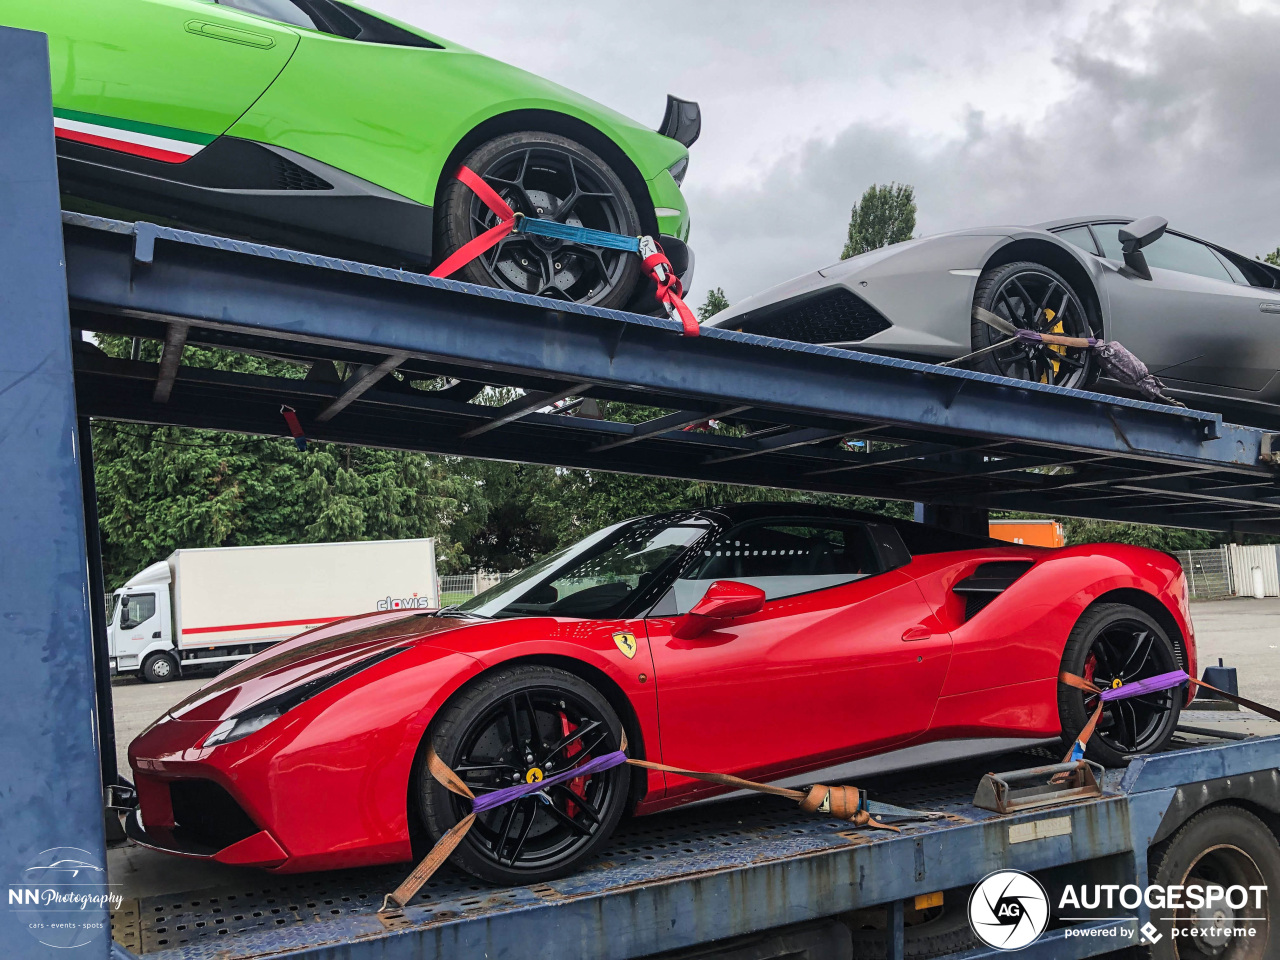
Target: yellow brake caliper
x,y
1053,347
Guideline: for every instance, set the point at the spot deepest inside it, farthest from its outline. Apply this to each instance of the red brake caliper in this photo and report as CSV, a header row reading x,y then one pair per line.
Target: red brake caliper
x,y
577,784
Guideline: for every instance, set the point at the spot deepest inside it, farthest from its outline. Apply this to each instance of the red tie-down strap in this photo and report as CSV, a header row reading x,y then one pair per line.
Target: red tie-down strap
x,y
295,427
474,247
669,289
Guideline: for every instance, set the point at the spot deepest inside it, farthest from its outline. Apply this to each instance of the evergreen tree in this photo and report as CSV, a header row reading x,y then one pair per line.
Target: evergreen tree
x,y
1273,257
715,302
886,214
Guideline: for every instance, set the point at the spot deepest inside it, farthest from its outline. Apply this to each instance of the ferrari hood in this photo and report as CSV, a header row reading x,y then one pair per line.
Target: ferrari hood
x,y
308,656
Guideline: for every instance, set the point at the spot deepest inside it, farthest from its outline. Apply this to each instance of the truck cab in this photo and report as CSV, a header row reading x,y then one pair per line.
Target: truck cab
x,y
140,632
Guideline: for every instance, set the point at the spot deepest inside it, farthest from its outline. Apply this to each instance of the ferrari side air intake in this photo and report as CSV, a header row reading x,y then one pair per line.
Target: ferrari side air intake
x,y
988,582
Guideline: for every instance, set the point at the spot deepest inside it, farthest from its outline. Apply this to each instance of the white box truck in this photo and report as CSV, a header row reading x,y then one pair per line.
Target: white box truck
x,y
222,604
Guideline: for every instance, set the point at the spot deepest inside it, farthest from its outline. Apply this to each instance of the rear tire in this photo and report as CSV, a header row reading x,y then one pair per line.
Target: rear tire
x,y
548,176
1226,846
159,668
524,842
1114,641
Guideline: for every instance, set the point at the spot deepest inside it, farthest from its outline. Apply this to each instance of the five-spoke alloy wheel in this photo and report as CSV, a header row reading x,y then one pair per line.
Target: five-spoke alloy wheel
x,y
1032,297
522,725
550,177
1111,645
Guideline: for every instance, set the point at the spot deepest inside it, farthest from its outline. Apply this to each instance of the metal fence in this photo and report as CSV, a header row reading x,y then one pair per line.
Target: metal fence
x,y
458,587
1208,573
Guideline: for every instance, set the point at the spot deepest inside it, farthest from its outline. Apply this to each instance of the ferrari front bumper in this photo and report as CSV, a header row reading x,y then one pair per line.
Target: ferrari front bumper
x,y
256,850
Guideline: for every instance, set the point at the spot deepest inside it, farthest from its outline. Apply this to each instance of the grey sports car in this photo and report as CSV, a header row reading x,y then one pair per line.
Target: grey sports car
x,y
1206,320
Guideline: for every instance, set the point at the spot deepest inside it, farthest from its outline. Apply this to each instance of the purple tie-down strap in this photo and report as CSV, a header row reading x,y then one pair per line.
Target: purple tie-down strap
x,y
1165,681
487,801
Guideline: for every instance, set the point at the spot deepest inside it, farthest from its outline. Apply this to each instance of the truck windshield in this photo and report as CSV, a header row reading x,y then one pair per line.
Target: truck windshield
x,y
598,576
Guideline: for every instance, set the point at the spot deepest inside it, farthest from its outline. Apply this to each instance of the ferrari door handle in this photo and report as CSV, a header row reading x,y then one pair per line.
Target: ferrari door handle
x,y
918,632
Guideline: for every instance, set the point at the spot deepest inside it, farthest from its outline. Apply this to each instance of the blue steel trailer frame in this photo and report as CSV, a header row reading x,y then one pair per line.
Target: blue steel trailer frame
x,y
946,436
52,785
955,438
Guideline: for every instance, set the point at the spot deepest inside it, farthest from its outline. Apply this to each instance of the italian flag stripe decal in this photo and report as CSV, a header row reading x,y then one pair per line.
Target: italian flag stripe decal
x,y
148,140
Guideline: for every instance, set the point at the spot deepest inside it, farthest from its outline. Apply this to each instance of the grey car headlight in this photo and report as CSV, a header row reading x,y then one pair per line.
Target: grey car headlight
x,y
273,708
679,169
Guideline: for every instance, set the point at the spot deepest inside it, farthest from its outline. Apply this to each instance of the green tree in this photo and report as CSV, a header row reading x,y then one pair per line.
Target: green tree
x,y
886,214
715,302
1169,539
1273,257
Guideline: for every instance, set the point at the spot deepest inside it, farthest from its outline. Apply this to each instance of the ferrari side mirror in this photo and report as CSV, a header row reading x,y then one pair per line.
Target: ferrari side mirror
x,y
724,600
1139,234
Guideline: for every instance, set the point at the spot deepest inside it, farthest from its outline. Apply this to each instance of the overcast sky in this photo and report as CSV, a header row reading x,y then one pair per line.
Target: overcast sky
x,y
997,111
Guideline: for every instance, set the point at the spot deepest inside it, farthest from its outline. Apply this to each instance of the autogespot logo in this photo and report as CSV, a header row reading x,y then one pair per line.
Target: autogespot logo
x,y
1008,910
62,898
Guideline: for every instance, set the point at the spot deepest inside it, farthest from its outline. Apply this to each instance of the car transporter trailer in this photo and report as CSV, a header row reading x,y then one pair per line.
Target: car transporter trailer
x,y
673,884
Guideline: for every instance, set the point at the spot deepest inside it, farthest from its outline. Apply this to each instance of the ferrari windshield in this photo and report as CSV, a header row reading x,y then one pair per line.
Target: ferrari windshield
x,y
597,577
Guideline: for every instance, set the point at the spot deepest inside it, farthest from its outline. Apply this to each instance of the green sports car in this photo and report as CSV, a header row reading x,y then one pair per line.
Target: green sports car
x,y
322,125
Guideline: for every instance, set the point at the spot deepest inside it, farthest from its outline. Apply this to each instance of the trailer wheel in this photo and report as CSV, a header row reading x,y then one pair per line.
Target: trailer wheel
x,y
522,724
939,932
1225,846
159,667
1114,642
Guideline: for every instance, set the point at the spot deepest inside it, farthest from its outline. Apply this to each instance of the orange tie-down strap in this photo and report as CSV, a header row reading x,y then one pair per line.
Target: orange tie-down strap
x,y
843,803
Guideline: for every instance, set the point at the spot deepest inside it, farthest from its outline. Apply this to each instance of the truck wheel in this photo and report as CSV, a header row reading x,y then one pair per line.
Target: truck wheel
x,y
159,667
1116,642
520,725
1222,847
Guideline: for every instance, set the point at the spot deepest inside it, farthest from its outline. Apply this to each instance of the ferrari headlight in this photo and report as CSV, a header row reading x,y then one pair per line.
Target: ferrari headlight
x,y
679,169
273,708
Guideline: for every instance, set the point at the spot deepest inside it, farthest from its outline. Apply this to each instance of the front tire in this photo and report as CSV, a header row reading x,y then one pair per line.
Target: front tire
x,y
1110,642
159,668
510,726
547,176
1032,297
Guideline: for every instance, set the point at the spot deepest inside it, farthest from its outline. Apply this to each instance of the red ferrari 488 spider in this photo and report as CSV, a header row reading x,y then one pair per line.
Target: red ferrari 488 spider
x,y
762,640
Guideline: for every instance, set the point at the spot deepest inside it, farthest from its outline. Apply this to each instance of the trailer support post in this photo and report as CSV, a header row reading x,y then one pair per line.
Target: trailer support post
x,y
48,748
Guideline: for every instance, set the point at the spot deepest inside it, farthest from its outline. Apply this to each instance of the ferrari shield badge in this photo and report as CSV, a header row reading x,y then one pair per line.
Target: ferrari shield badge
x,y
626,642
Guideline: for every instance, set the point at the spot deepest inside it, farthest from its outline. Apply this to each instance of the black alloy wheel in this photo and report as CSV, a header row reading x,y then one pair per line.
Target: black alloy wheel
x,y
1111,645
550,177
1032,297
523,725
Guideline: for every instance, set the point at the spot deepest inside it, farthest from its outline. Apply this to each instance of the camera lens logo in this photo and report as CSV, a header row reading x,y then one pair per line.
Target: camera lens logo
x,y
1008,910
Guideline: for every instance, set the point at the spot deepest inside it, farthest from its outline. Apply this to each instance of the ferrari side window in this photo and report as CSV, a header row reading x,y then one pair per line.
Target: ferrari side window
x,y
783,558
